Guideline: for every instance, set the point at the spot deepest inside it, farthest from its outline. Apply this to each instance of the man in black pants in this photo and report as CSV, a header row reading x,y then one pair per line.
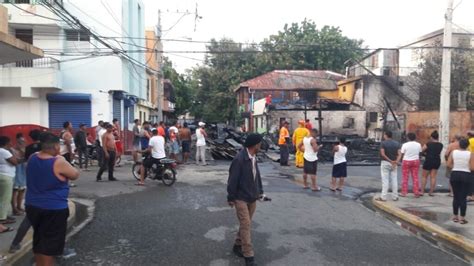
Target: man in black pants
x,y
109,152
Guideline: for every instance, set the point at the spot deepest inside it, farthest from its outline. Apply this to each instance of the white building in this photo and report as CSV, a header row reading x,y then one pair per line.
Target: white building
x,y
80,79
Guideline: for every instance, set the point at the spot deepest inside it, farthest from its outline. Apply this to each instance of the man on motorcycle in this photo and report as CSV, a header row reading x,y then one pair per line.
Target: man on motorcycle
x,y
157,148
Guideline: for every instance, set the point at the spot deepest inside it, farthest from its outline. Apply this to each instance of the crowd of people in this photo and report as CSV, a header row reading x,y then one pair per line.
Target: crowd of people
x,y
304,139
36,176
45,169
458,155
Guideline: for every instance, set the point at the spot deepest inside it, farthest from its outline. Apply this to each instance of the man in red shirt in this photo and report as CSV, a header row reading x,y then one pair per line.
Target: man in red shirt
x,y
268,100
308,125
118,142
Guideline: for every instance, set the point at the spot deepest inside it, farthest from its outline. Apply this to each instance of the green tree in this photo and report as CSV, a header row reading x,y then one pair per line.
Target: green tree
x,y
462,78
183,92
304,46
227,64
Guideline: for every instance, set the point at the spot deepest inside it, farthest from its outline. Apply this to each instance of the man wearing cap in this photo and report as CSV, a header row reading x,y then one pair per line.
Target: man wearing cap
x,y
283,142
300,133
201,143
244,187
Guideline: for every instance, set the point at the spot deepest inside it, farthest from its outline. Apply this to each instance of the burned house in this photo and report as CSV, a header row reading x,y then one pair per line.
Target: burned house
x,y
296,95
358,105
381,91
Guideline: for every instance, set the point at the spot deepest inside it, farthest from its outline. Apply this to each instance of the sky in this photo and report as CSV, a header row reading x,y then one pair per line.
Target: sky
x,y
380,23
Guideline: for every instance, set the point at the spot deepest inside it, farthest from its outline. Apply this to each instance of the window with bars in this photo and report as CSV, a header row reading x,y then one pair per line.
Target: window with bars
x,y
373,117
77,36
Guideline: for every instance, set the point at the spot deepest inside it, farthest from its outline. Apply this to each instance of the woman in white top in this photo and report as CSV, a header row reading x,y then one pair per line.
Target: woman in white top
x,y
462,163
339,170
7,174
411,164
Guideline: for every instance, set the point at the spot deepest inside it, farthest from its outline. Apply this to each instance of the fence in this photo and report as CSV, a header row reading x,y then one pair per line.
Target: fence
x,y
45,62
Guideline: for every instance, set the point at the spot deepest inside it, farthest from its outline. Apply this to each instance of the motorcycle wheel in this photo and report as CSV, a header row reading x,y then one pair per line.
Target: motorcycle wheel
x,y
169,177
136,171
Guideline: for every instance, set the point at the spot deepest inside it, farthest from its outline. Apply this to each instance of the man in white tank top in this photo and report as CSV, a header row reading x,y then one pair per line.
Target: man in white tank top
x,y
310,147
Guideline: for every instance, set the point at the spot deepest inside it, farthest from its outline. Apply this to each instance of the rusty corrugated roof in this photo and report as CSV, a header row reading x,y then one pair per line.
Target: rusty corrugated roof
x,y
294,80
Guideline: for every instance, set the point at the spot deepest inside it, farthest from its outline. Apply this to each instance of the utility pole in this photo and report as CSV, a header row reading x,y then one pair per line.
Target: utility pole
x,y
160,78
444,107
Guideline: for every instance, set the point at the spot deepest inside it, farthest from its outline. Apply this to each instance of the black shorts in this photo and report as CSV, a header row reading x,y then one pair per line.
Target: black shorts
x,y
50,226
431,164
186,145
339,170
150,161
310,168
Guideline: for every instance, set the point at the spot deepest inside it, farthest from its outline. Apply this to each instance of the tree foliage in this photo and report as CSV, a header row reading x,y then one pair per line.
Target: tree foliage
x,y
227,64
462,79
183,92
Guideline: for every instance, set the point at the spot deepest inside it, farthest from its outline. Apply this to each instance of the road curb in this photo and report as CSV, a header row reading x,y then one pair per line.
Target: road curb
x,y
437,231
27,242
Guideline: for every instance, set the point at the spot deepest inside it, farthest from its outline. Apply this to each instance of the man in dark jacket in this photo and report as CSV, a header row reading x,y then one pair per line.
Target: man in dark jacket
x,y
80,139
244,188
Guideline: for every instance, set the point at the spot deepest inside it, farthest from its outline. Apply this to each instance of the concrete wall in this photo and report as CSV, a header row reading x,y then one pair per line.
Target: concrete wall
x,y
28,78
17,110
3,19
21,17
423,123
333,121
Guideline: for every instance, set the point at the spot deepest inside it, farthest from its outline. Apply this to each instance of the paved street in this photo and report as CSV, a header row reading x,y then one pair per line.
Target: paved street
x,y
190,224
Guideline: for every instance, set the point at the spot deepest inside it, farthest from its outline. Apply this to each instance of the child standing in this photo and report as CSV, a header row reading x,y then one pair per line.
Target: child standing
x,y
339,169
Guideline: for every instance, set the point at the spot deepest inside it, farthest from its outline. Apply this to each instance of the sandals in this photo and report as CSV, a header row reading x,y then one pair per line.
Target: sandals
x,y
463,221
332,189
317,189
431,194
6,230
306,187
455,219
140,184
7,221
380,199
339,189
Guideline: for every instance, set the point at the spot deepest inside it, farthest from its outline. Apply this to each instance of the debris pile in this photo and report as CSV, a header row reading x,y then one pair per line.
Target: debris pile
x,y
360,151
224,142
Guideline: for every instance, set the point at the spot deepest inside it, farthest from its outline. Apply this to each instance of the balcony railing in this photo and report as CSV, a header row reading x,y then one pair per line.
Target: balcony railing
x,y
45,62
31,2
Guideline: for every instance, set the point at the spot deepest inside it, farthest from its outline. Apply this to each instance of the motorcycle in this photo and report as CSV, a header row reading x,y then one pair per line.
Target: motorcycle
x,y
164,171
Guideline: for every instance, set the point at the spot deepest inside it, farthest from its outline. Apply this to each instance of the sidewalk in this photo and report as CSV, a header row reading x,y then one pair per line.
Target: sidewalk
x,y
433,215
26,244
87,188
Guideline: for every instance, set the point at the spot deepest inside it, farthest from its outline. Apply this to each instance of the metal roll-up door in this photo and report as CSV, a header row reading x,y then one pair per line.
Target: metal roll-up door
x,y
125,117
117,109
75,108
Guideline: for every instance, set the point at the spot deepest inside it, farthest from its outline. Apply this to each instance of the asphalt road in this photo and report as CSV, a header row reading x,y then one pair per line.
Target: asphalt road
x,y
190,224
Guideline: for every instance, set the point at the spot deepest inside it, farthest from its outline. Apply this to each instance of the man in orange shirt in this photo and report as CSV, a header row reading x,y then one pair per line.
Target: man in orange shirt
x,y
161,130
283,142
